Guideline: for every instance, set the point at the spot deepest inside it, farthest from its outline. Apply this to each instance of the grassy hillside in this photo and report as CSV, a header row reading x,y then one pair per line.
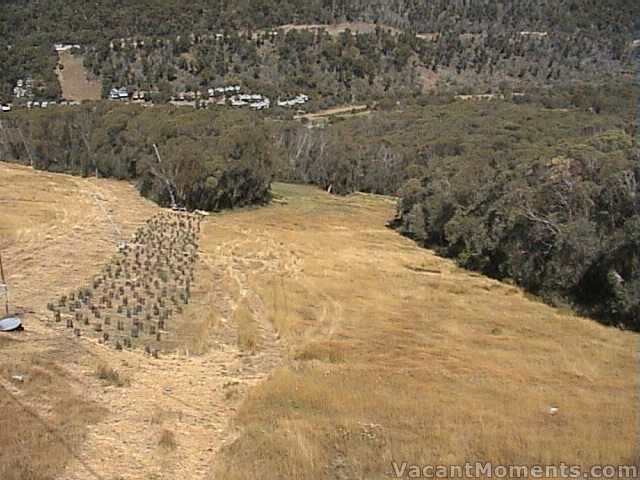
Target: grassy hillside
x,y
541,188
373,349
397,354
53,235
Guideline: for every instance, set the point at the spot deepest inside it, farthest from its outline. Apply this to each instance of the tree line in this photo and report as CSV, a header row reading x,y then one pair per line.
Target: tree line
x,y
198,159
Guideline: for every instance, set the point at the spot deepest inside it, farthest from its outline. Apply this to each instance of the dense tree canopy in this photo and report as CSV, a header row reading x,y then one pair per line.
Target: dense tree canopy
x,y
208,160
467,42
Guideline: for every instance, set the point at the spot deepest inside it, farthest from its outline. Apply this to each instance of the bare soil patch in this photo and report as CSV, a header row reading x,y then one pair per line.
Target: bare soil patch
x,y
428,79
77,83
338,28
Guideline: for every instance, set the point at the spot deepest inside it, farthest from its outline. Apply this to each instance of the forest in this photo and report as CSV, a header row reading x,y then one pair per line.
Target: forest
x,y
380,152
344,68
332,69
473,45
192,158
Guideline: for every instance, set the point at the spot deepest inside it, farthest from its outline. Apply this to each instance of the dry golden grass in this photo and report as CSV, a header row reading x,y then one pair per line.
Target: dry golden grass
x,y
25,206
201,321
44,416
167,440
55,236
52,236
391,352
247,329
391,362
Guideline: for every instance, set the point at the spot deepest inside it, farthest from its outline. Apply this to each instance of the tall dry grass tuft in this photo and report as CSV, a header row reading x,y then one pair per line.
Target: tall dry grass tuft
x,y
167,440
111,376
247,328
44,416
201,319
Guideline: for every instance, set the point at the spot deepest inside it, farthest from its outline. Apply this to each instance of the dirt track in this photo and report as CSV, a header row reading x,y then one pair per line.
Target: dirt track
x,y
347,110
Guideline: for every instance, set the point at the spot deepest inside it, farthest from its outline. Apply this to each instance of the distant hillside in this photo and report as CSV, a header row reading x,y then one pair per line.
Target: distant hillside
x,y
89,21
542,39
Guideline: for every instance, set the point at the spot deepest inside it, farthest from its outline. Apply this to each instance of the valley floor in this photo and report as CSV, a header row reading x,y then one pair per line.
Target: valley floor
x,y
319,344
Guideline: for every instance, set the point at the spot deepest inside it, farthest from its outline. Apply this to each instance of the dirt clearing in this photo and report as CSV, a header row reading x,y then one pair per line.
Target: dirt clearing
x,y
342,112
338,28
77,83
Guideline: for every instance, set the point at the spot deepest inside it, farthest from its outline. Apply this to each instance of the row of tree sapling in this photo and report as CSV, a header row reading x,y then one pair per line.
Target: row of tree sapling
x,y
135,300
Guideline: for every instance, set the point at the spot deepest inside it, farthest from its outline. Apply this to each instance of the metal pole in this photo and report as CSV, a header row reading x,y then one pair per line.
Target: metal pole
x,y
6,289
173,197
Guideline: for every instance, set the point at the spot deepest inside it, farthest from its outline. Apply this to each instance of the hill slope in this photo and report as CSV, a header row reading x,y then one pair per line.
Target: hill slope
x,y
397,354
378,349
580,38
319,344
